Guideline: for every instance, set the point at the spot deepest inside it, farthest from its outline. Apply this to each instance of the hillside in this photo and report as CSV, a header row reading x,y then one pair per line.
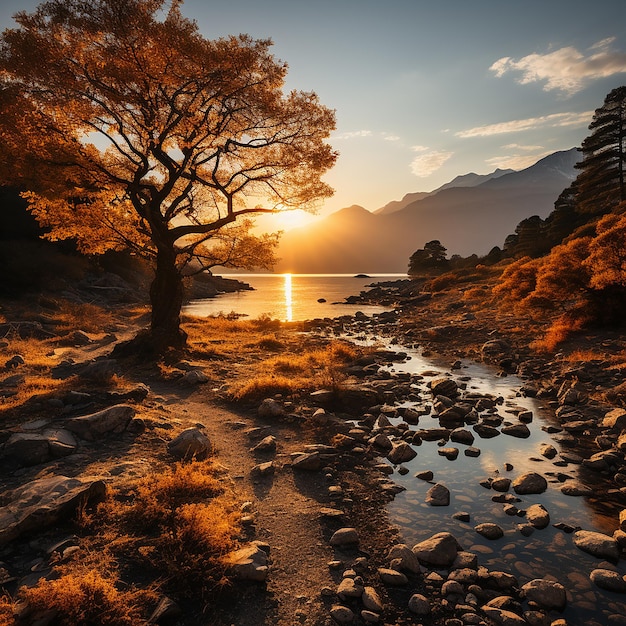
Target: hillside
x,y
467,220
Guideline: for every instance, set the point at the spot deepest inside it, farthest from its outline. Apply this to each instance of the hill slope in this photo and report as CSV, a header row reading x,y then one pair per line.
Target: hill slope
x,y
466,220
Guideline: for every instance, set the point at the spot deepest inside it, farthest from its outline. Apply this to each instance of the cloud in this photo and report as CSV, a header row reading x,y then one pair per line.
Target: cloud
x,y
390,137
429,162
532,123
353,134
516,161
420,148
566,69
517,146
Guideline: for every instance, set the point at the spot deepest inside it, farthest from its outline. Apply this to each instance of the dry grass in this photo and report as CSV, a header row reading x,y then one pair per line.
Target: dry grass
x,y
558,332
291,374
6,611
88,597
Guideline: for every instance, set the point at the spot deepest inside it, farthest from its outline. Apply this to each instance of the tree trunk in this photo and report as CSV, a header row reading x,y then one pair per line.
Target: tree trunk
x,y
166,298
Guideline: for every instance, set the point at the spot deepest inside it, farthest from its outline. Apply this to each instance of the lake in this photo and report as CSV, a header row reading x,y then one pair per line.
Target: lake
x,y
292,297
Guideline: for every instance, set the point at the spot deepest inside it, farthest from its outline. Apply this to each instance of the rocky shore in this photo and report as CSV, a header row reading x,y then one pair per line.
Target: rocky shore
x,y
316,472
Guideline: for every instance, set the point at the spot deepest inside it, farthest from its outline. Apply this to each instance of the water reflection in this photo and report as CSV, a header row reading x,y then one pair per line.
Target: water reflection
x,y
288,299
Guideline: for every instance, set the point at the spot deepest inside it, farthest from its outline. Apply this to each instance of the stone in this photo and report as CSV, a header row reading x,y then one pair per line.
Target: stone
x,y
44,502
267,444
462,435
419,605
489,531
92,427
406,558
192,443
537,516
547,594
308,461
101,371
530,483
548,450
575,488
426,475
264,469
597,544
27,449
194,377
349,588
248,563
622,520
615,420
444,387
269,408
521,431
341,614
438,495
485,431
450,453
370,617
392,577
501,484
371,600
439,550
344,536
503,617
609,580
401,453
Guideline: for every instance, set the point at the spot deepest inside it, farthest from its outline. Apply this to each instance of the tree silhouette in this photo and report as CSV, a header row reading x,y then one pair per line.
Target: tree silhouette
x,y
130,129
431,256
600,184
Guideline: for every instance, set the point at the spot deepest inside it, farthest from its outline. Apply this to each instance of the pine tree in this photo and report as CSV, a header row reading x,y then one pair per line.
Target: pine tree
x,y
600,184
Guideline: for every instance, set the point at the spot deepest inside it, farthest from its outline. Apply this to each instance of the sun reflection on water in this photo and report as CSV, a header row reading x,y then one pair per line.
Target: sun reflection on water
x,y
288,298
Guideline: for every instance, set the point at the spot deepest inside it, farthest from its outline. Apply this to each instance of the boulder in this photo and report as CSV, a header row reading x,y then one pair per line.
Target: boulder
x,y
26,449
521,431
438,495
502,617
392,577
444,387
537,516
597,544
529,483
344,537
439,550
307,461
615,420
248,563
401,453
419,604
192,443
546,593
609,580
113,419
489,531
269,408
405,557
44,502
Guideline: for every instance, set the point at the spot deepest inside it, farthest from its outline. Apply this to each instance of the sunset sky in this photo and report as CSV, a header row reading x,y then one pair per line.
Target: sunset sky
x,y
428,90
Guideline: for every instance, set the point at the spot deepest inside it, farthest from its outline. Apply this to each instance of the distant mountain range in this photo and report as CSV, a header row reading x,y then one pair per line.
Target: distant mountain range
x,y
469,215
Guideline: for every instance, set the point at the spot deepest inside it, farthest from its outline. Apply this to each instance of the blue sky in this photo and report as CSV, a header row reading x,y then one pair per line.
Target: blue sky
x,y
428,90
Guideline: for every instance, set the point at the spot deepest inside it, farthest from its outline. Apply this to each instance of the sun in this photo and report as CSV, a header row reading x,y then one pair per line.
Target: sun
x,y
286,220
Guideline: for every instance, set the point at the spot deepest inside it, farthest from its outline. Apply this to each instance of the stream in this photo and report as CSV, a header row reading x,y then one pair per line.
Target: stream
x,y
548,552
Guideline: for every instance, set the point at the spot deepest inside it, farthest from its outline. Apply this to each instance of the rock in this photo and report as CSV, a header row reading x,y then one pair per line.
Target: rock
x,y
419,605
92,427
450,453
267,444
574,488
622,520
489,531
264,469
194,377
27,449
503,617
485,431
537,516
520,431
248,563
426,475
548,450
609,580
44,502
345,536
308,461
269,408
439,550
371,600
444,387
462,435
546,593
370,617
341,614
495,348
501,484
166,612
597,544
192,443
406,558
101,371
392,577
438,495
615,420
529,483
472,452
349,588
401,453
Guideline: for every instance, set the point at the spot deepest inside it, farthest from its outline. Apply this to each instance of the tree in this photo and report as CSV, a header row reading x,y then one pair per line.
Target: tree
x,y
431,256
600,184
129,129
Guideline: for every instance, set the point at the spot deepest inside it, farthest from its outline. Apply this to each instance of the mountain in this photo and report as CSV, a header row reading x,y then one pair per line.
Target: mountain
x,y
466,219
466,180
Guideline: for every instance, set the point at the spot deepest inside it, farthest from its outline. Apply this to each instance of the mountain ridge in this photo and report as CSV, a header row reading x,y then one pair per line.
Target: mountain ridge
x,y
467,220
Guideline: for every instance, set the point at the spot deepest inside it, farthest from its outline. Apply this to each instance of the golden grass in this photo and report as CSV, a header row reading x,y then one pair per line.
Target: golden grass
x,y
6,611
559,331
88,597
